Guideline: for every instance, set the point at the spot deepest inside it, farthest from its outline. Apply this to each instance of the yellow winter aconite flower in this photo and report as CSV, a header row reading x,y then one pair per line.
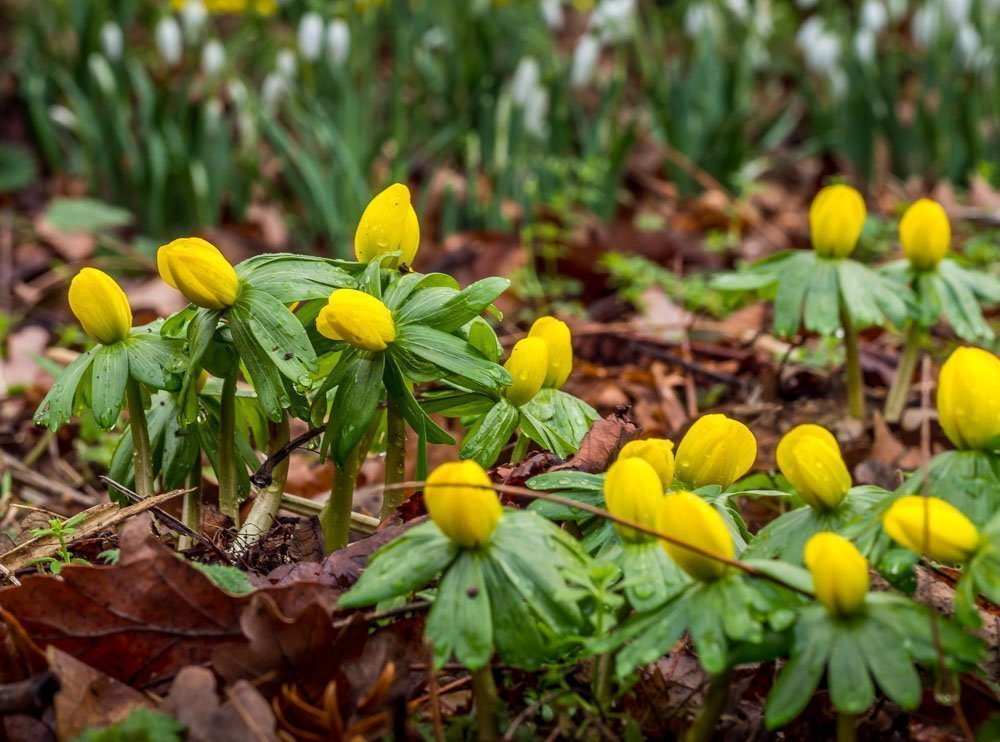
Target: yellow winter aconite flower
x,y
690,519
100,305
967,400
262,7
925,233
461,501
657,452
557,337
197,269
932,527
527,365
839,572
358,319
836,217
716,450
810,459
389,224
632,491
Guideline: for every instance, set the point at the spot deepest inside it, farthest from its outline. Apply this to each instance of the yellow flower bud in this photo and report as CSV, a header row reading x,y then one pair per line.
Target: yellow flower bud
x,y
925,233
632,491
389,224
100,305
836,217
357,318
690,519
967,400
528,364
657,452
839,572
932,527
557,337
198,270
716,450
462,502
809,457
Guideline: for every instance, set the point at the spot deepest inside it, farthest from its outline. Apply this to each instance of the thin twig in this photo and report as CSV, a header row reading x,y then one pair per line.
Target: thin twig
x,y
263,476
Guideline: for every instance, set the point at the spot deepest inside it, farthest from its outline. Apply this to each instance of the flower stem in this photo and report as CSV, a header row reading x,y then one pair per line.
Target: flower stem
x,y
335,518
855,381
484,691
265,506
847,727
602,683
191,508
520,448
229,497
900,389
142,453
395,458
711,708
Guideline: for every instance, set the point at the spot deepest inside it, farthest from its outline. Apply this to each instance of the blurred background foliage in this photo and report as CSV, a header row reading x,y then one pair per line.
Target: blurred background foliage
x,y
186,113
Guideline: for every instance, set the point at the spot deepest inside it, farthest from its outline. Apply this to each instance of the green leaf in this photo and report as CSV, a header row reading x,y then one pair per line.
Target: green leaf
x,y
17,169
399,389
279,334
851,687
706,607
545,436
890,665
108,380
141,725
85,214
447,310
289,278
483,338
798,679
961,307
484,443
403,566
155,360
572,480
200,331
264,374
983,284
230,579
457,403
652,635
355,404
59,404
460,621
651,577
822,302
569,417
793,282
452,355
789,574
521,639
399,290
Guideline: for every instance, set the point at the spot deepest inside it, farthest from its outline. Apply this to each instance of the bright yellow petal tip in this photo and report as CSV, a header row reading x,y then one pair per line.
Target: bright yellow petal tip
x,y
462,502
357,318
528,364
657,452
809,457
388,224
197,269
932,527
690,519
836,218
101,306
557,337
925,234
716,450
968,403
632,491
839,572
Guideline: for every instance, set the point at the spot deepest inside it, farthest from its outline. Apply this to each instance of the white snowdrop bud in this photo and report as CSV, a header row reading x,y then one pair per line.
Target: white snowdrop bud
x,y
169,43
613,20
926,24
338,40
286,64
273,90
310,36
957,11
874,16
536,109
193,16
112,41
63,117
864,45
213,57
698,18
525,80
585,56
968,43
552,12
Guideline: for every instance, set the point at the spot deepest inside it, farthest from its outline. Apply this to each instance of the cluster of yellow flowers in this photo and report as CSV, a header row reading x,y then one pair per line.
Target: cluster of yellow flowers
x,y
542,360
221,7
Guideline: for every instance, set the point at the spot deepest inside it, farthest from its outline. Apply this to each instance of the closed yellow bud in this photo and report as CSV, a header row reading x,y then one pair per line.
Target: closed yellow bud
x,y
716,450
462,502
389,224
632,491
967,401
657,452
197,269
839,572
527,365
932,527
357,318
690,519
836,217
557,337
809,457
925,233
100,305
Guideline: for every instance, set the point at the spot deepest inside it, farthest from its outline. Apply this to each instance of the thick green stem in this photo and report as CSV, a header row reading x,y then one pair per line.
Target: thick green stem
x,y
847,727
335,518
142,452
855,381
229,496
711,708
265,506
191,507
602,684
484,691
395,458
520,448
900,389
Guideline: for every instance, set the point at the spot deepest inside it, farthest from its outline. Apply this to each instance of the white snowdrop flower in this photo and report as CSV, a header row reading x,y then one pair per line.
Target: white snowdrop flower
x,y
762,21
613,20
823,54
985,59
957,11
536,109
286,64
237,92
310,36
585,57
273,89
864,45
926,24
838,82
552,13
480,6
739,8
112,41
525,80
63,117
898,9
193,16
808,32
698,18
434,38
213,57
169,43
338,40
968,43
100,70
874,16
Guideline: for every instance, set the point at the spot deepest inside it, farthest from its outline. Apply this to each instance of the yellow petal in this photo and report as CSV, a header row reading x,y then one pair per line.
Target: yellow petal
x,y
557,337
967,400
925,233
460,499
657,452
932,527
716,450
809,457
690,519
527,365
836,218
388,224
839,572
198,270
632,491
357,318
101,306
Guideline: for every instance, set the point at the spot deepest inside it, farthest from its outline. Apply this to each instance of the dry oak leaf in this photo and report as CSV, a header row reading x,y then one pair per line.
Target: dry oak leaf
x,y
194,702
